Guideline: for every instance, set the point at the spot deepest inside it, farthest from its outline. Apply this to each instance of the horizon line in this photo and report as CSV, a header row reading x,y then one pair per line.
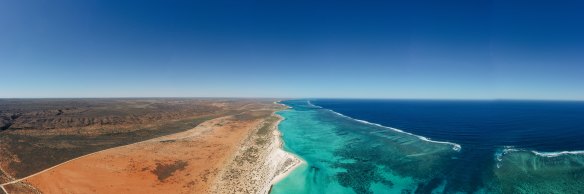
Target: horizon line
x,y
289,98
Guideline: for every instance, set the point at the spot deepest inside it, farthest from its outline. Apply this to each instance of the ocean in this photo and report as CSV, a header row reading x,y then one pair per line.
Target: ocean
x,y
441,146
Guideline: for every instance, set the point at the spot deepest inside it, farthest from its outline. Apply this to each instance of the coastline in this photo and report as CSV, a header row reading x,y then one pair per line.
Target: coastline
x,y
260,161
507,174
297,160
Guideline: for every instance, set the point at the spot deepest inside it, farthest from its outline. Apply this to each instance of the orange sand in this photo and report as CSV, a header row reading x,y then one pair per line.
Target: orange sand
x,y
198,155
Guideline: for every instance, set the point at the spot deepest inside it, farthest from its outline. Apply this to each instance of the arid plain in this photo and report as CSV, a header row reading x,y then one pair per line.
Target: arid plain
x,y
170,145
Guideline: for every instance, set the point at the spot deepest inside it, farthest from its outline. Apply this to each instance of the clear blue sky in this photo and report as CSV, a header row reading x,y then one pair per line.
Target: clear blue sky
x,y
376,49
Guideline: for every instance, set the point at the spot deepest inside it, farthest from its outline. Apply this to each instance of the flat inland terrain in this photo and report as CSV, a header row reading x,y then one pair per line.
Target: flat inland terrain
x,y
122,145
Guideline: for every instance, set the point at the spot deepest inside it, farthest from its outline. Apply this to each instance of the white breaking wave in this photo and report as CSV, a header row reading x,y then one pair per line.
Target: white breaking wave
x,y
500,153
507,149
310,103
455,147
554,154
543,154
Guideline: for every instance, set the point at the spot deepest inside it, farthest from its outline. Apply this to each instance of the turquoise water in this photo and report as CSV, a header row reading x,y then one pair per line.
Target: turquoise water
x,y
345,155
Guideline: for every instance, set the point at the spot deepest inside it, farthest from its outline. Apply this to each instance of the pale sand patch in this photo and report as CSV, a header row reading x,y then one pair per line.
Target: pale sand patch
x,y
297,161
259,162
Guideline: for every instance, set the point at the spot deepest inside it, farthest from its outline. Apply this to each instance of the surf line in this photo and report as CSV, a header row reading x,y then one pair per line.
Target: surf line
x,y
455,146
542,154
310,103
278,135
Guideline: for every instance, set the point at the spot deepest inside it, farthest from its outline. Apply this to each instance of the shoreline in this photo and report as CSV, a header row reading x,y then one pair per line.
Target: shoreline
x,y
282,173
297,160
260,161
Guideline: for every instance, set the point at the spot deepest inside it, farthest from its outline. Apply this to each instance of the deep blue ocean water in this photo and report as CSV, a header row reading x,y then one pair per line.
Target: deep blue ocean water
x,y
346,153
477,125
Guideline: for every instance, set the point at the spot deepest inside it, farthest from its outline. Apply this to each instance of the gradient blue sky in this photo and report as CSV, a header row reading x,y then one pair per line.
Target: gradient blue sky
x,y
358,49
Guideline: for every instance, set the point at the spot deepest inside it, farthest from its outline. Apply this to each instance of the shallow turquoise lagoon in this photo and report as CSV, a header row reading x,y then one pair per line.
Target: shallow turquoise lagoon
x,y
345,155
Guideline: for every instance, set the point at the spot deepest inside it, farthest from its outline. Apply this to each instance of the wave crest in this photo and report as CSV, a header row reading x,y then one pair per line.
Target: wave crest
x,y
310,103
543,154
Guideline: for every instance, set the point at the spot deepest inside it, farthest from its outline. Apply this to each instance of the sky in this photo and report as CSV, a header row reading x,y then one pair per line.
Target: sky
x,y
498,49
